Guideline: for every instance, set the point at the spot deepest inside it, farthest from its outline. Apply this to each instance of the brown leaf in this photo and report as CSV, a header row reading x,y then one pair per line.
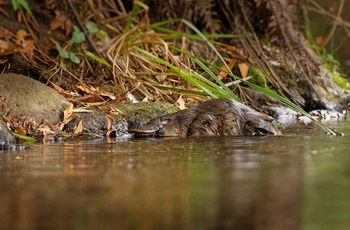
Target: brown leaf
x,y
224,71
181,103
105,93
61,124
21,131
96,103
68,27
110,121
243,68
6,48
56,87
68,112
27,46
57,23
20,36
85,88
79,128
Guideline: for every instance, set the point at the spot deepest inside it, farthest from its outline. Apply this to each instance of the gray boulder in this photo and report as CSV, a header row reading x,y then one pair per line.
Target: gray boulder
x,y
28,97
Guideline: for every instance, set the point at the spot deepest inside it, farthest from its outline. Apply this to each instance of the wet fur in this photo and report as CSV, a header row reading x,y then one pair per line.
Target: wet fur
x,y
218,117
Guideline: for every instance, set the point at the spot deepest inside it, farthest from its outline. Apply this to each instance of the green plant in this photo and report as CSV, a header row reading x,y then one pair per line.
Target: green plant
x,y
16,4
77,37
92,28
27,140
67,55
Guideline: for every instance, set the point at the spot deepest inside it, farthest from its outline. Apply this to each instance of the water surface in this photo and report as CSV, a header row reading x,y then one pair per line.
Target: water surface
x,y
297,181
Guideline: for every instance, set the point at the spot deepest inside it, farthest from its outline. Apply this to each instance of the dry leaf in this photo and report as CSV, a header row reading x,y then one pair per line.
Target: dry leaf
x,y
61,22
45,129
6,48
79,128
56,87
224,71
27,46
243,68
68,112
96,103
181,103
110,121
57,23
61,125
82,110
20,36
21,131
68,26
105,93
85,88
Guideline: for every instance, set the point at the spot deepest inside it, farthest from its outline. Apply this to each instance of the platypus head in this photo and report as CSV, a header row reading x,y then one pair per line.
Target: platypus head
x,y
172,125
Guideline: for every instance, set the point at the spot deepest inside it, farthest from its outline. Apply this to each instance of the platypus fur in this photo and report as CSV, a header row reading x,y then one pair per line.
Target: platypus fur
x,y
216,117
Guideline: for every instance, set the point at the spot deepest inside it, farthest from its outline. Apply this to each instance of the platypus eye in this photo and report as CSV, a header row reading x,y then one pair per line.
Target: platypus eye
x,y
165,121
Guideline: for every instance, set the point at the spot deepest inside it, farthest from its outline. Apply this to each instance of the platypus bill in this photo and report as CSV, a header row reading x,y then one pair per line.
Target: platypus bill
x,y
217,117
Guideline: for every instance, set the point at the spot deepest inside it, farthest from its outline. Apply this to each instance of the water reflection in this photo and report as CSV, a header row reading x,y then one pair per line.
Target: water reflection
x,y
287,182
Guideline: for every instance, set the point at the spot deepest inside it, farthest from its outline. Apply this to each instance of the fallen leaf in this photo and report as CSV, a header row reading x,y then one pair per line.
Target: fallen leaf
x,y
181,103
6,48
45,129
110,121
82,110
21,131
243,68
85,88
96,103
56,87
68,27
61,124
27,46
105,93
57,23
224,71
20,36
68,112
79,128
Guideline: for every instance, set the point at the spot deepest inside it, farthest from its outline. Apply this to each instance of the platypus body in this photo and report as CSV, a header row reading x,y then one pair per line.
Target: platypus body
x,y
217,117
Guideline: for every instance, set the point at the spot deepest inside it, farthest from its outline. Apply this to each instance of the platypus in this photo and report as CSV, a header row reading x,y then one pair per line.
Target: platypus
x,y
216,117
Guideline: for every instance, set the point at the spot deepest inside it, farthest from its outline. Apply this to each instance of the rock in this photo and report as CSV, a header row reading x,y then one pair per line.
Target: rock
x,y
5,136
282,114
132,115
29,97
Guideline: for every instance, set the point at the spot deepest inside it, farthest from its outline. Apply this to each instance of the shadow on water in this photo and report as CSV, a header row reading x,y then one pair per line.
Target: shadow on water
x,y
297,181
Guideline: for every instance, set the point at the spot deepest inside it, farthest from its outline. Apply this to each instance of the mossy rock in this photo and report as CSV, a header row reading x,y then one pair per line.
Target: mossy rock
x,y
30,98
133,115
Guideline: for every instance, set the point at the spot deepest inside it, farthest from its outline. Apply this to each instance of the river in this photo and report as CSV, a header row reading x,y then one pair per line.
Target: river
x,y
300,180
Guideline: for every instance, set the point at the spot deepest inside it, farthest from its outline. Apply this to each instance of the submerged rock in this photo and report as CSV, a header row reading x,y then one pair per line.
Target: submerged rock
x,y
218,117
